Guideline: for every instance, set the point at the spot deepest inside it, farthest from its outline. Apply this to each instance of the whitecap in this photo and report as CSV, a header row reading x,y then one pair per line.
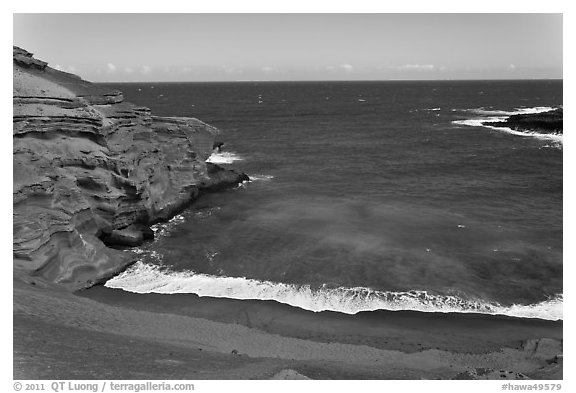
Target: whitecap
x,y
260,177
145,278
224,158
164,228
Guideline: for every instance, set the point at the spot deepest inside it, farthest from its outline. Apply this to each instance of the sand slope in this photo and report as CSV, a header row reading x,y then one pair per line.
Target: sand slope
x,y
47,319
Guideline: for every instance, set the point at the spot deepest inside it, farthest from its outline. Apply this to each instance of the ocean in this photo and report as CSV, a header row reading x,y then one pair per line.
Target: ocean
x,y
367,196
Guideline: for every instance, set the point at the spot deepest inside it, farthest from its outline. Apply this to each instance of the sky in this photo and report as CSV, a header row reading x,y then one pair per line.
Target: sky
x,y
237,47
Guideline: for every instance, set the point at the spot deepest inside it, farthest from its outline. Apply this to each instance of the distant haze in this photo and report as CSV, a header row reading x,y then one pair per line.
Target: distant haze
x,y
229,47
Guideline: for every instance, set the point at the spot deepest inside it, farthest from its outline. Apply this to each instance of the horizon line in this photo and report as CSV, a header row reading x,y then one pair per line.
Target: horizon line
x,y
345,81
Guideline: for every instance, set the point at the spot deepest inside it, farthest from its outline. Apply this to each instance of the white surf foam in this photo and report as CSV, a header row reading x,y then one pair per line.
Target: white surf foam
x,y
254,178
145,278
224,158
489,115
260,177
496,112
163,228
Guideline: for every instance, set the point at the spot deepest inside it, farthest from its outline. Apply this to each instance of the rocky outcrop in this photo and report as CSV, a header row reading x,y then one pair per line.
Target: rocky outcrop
x,y
89,167
25,59
550,122
545,351
489,374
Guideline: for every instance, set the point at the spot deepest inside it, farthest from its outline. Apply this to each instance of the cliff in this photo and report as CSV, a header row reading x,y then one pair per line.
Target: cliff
x,y
93,171
550,122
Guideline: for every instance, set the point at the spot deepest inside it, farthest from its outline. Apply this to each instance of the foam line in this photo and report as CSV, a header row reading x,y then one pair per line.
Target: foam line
x,y
260,177
145,278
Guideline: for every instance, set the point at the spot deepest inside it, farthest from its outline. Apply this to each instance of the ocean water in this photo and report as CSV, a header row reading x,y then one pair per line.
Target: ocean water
x,y
366,196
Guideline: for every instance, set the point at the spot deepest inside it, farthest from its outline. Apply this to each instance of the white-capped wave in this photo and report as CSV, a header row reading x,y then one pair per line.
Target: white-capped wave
x,y
260,177
145,278
163,228
253,178
489,115
167,227
224,158
496,112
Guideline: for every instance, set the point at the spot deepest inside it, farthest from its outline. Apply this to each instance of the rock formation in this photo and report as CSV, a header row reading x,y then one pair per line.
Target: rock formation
x,y
489,373
93,171
550,122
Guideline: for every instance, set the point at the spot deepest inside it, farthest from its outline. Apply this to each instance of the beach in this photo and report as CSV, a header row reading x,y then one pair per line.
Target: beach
x,y
119,335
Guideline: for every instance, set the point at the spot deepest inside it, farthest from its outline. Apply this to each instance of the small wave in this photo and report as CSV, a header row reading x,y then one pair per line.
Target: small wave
x,y
205,213
432,109
253,178
260,178
164,228
145,278
557,138
224,158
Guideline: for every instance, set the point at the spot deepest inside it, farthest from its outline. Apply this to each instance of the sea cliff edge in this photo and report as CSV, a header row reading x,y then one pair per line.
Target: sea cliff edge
x,y
92,172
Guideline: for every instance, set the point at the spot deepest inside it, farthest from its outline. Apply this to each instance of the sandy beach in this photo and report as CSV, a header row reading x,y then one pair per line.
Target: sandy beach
x,y
109,333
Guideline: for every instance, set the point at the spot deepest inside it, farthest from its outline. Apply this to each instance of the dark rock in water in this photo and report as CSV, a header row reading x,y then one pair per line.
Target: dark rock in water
x,y
146,231
88,167
131,236
550,122
123,237
217,146
220,178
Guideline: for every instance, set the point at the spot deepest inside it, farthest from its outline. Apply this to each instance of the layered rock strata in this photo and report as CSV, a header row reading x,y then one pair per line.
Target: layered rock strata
x,y
92,171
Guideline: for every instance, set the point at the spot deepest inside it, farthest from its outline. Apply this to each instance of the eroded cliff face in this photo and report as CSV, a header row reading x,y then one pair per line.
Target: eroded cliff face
x,y
88,167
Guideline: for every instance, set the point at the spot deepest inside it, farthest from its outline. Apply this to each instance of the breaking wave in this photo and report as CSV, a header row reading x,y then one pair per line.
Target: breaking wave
x,y
224,158
489,115
495,112
145,278
260,177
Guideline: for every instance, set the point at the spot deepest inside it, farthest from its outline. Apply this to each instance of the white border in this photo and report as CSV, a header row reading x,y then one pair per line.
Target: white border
x,y
260,6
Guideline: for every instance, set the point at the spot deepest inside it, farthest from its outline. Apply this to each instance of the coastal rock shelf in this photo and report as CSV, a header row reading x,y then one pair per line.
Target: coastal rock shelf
x,y
93,171
550,122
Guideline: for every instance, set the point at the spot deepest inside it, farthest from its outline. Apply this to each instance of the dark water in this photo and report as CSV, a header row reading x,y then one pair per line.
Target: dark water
x,y
368,195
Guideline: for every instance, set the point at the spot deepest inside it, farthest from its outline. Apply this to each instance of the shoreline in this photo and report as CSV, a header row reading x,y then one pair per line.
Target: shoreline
x,y
144,278
169,336
373,328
